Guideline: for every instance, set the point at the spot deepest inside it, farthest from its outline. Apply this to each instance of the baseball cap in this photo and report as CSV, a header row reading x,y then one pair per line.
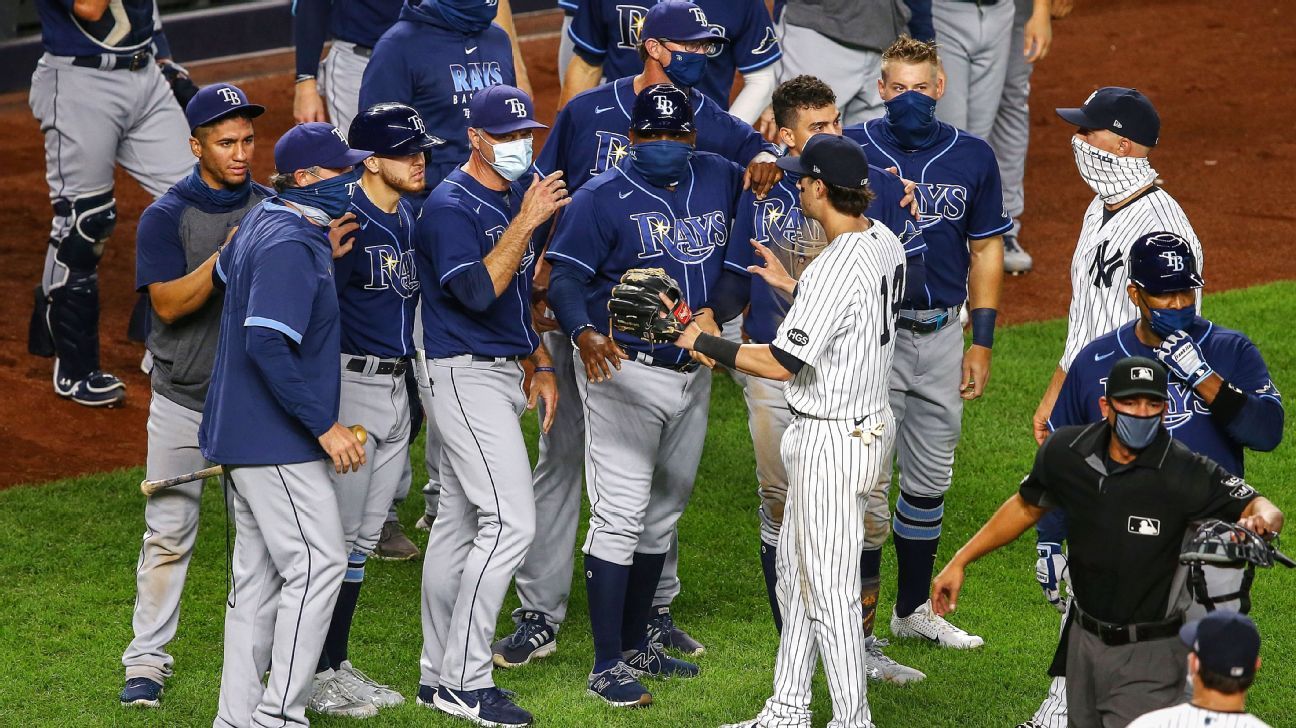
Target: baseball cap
x,y
502,110
662,107
678,20
1135,375
834,159
1226,643
1163,262
315,144
1120,110
217,101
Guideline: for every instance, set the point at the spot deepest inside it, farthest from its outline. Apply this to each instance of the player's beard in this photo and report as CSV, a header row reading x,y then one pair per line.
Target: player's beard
x,y
798,247
402,184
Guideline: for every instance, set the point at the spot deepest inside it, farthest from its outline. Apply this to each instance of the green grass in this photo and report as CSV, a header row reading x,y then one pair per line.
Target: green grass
x,y
69,551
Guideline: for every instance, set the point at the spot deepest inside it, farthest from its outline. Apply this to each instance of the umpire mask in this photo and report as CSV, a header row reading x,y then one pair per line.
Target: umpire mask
x,y
1111,177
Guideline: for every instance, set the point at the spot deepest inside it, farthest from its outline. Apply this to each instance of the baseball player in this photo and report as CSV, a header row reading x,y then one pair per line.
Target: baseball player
x,y
1222,398
609,33
100,99
834,351
804,107
645,406
176,246
960,211
588,138
475,263
271,419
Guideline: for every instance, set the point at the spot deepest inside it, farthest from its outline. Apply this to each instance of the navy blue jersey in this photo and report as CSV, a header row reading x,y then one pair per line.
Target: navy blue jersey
x,y
278,272
356,21
160,254
377,282
426,64
619,221
607,32
569,7
778,218
124,29
461,222
959,199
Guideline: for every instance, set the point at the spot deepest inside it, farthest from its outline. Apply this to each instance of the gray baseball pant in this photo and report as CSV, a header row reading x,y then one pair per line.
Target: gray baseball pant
x,y
975,41
340,74
852,73
170,528
380,403
431,444
1010,134
485,521
1108,687
288,563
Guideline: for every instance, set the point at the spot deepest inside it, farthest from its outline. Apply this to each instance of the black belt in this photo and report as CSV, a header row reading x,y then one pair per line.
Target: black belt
x,y
978,2
687,366
132,62
1114,635
931,325
512,357
394,367
363,51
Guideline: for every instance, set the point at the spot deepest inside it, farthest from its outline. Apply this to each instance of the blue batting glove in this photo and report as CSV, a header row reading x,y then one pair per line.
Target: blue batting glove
x,y
1182,356
1051,571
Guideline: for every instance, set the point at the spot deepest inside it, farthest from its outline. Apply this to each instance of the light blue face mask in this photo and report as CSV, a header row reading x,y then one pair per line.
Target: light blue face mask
x,y
512,159
1137,432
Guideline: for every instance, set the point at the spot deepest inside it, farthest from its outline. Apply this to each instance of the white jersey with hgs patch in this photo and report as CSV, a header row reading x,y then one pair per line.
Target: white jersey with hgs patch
x,y
842,325
1190,716
1100,266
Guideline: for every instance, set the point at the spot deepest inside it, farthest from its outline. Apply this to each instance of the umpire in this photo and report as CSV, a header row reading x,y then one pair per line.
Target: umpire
x,y
1130,491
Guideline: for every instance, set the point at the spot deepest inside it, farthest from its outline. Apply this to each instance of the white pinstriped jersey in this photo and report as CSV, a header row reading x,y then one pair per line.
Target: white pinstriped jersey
x,y
1100,271
1190,716
842,325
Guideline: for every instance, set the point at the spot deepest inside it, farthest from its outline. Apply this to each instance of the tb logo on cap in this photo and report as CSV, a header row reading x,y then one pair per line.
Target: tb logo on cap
x,y
1173,260
665,105
517,108
229,96
338,133
417,122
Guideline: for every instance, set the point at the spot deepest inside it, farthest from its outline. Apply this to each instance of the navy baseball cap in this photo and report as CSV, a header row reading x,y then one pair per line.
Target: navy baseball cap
x,y
678,20
662,107
1226,643
315,144
1120,110
1163,262
1137,375
502,110
217,101
391,129
831,158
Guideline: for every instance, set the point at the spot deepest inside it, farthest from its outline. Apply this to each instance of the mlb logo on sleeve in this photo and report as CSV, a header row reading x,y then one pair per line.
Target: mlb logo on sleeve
x,y
1144,526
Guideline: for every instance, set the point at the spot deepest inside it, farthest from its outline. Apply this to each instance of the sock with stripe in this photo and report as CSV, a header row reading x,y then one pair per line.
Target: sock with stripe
x,y
339,631
870,586
645,572
915,531
769,559
605,586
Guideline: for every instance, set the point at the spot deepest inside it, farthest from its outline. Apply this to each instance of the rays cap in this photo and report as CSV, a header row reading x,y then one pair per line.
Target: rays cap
x,y
502,110
1137,376
1163,262
834,159
217,101
315,144
1226,643
678,20
1120,110
662,107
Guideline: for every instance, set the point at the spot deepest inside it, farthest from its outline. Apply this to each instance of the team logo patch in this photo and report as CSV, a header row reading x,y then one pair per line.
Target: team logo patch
x,y
1143,374
798,337
1144,526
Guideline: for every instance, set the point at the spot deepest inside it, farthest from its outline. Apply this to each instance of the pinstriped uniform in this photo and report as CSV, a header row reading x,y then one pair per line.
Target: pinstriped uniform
x,y
1190,716
842,326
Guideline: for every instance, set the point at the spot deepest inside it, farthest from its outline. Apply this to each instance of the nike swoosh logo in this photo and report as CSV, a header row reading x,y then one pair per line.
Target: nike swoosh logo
x,y
478,209
601,109
1100,357
471,50
624,195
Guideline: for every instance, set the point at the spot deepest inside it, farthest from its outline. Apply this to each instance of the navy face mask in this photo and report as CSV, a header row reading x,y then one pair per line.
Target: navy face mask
x,y
1166,321
468,16
661,163
331,196
686,68
1136,432
911,118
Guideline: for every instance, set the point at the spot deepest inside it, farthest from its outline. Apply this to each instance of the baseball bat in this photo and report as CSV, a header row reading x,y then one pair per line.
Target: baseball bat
x,y
149,487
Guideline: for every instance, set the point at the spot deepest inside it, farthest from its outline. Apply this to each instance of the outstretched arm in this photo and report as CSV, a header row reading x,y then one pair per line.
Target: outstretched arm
x,y
1010,521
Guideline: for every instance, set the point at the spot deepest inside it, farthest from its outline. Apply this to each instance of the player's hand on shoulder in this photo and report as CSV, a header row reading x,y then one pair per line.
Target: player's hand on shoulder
x,y
600,354
308,105
543,198
341,234
976,372
771,269
909,200
343,448
761,177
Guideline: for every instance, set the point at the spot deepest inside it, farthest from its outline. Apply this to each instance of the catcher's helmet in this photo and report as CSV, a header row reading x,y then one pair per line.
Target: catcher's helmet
x,y
1163,262
662,107
391,130
1226,545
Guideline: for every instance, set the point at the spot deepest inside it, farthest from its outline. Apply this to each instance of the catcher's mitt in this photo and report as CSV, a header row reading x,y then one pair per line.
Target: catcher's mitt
x,y
636,306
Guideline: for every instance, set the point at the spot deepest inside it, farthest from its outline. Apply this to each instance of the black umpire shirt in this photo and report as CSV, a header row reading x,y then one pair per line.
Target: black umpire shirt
x,y
1128,521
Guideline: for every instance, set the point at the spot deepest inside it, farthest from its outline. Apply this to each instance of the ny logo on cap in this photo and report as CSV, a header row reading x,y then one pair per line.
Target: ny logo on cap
x,y
517,107
229,96
417,122
665,105
1173,260
1141,373
338,133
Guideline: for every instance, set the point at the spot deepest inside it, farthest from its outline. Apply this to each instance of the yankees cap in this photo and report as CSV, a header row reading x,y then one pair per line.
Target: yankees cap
x,y
1120,110
662,107
1227,643
1163,262
217,101
315,144
1137,375
678,20
831,158
502,110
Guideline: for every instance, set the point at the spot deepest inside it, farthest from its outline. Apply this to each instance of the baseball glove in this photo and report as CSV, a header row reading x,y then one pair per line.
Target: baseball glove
x,y
636,306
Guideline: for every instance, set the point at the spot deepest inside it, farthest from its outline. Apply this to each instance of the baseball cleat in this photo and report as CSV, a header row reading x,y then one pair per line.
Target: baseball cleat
x,y
884,669
753,723
619,686
394,545
368,689
487,706
1029,724
662,629
98,389
426,694
654,662
332,696
533,639
1016,260
424,523
928,625
142,692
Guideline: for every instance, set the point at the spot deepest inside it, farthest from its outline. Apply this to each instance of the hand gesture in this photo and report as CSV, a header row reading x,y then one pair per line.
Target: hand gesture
x,y
771,269
543,198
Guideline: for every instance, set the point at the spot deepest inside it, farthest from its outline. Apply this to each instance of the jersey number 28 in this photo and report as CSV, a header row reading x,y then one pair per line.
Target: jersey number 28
x,y
892,291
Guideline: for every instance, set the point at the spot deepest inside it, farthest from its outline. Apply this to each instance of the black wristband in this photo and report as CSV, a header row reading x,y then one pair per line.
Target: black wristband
x,y
576,334
722,350
1228,403
983,326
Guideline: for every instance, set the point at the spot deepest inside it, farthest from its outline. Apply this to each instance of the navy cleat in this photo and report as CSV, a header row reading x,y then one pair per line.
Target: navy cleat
x,y
662,629
426,694
619,686
141,691
654,662
98,389
487,706
533,639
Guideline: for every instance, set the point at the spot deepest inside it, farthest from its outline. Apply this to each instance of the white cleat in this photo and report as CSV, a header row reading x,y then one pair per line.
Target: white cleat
x,y
368,689
884,669
331,696
926,624
753,723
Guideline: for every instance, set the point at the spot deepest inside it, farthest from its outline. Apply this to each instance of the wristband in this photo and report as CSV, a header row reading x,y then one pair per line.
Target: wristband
x,y
722,350
544,369
577,332
304,77
1228,403
983,325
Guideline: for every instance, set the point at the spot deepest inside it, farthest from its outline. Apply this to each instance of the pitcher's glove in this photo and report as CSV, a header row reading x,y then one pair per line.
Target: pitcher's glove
x,y
636,306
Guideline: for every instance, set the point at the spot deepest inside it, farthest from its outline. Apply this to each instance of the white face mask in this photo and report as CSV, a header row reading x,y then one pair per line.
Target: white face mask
x,y
512,159
1114,179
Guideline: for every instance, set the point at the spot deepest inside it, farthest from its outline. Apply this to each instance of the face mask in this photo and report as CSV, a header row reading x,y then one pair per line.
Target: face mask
x,y
911,117
686,68
661,163
1166,321
512,159
327,199
468,16
1114,179
1137,432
